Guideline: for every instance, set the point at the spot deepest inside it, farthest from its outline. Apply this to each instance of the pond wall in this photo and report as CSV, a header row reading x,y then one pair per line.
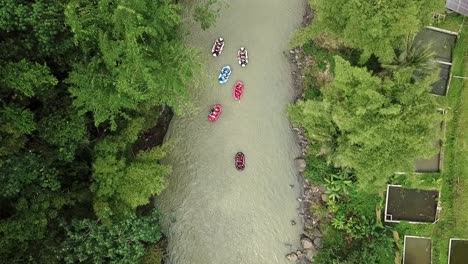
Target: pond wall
x,y
413,205
442,43
417,250
458,251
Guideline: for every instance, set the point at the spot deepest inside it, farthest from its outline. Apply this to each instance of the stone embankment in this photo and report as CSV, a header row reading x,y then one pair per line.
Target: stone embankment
x,y
312,196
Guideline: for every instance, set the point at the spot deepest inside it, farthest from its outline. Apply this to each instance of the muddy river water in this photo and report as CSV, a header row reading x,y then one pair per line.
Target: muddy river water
x,y
212,212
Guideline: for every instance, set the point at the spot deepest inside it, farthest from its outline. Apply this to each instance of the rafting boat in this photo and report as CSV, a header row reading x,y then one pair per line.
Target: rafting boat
x,y
243,57
215,112
217,48
224,74
239,161
238,90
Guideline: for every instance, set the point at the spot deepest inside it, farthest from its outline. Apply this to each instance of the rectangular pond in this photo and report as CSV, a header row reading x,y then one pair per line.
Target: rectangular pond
x,y
411,205
441,43
418,250
431,164
458,251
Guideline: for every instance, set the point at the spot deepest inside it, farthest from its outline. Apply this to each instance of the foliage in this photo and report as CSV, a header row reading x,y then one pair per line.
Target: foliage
x,y
65,130
121,182
452,22
318,169
206,14
414,55
338,185
354,232
153,255
31,187
123,242
15,123
373,126
26,78
17,172
79,80
35,30
375,27
338,250
134,54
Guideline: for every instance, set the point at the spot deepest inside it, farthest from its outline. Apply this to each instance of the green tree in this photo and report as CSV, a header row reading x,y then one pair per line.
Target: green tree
x,y
122,182
374,126
27,79
123,242
64,130
34,30
135,47
15,124
206,14
375,26
31,189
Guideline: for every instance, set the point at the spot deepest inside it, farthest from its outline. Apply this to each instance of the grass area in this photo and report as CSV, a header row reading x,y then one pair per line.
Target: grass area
x,y
451,22
422,181
453,220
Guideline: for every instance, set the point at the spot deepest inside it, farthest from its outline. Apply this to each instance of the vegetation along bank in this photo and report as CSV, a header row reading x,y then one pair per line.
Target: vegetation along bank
x,y
82,87
366,109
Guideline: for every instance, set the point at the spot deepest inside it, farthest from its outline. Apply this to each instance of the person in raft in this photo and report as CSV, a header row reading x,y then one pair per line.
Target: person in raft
x,y
242,54
218,45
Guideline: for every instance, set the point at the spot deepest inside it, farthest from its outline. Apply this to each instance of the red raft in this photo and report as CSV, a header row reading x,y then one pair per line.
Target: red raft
x,y
215,112
239,161
238,90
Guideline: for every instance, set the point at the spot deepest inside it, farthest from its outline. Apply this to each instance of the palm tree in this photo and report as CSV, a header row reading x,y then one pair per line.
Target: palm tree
x,y
413,54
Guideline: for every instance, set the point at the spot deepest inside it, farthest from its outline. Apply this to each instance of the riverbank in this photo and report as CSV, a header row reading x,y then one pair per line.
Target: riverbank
x,y
312,196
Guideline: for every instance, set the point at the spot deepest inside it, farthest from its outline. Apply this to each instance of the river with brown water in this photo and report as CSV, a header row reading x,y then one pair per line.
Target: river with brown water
x,y
212,212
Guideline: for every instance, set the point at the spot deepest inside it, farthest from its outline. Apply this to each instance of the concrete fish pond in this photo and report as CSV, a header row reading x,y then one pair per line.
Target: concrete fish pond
x,y
458,251
431,164
411,205
418,250
441,43
434,163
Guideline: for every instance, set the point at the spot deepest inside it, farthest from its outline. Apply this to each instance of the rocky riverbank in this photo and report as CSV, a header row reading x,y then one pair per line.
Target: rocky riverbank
x,y
312,196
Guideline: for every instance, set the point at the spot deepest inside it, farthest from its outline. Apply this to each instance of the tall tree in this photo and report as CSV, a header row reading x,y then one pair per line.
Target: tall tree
x,y
137,57
374,26
121,182
376,127
123,242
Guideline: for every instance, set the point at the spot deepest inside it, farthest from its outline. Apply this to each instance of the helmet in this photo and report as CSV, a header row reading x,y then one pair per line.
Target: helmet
x,y
220,39
242,48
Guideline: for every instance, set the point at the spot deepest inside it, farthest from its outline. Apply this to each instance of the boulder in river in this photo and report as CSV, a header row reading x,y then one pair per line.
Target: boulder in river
x,y
292,256
306,243
300,164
